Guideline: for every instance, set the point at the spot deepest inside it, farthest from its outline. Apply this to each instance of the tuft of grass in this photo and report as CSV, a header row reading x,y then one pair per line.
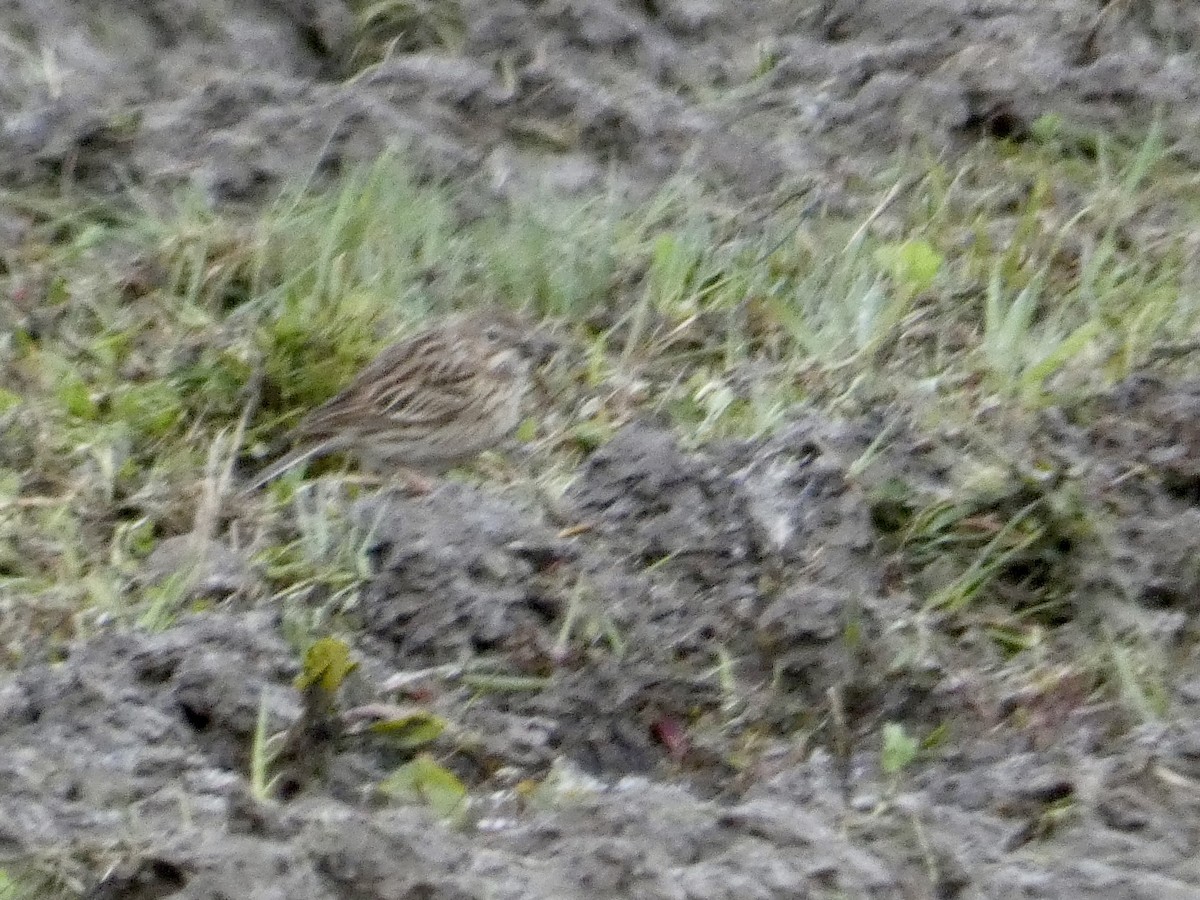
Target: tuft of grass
x,y
385,28
322,567
994,550
1137,676
264,750
37,880
584,624
1016,277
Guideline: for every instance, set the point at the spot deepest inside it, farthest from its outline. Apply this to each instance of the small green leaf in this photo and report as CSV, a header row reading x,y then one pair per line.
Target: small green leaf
x,y
76,398
152,408
527,430
852,635
425,781
899,749
768,59
57,293
489,683
1070,347
327,663
411,731
1046,128
936,738
591,434
10,484
912,264
8,400
262,756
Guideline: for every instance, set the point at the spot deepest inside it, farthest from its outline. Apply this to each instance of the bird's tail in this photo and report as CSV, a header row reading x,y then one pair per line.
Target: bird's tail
x,y
277,468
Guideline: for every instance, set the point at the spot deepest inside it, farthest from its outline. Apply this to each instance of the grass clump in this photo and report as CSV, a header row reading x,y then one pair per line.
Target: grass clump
x,y
1016,278
384,28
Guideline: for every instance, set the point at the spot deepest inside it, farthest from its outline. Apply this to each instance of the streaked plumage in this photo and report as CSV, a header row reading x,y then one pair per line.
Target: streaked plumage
x,y
427,403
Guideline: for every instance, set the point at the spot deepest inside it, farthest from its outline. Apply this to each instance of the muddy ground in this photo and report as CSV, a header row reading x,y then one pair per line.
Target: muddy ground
x,y
743,628
234,96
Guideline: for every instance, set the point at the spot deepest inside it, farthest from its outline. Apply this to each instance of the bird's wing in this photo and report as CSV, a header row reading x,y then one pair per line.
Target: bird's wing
x,y
423,382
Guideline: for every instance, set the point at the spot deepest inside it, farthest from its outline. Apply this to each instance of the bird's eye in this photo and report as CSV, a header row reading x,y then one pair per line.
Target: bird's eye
x,y
491,333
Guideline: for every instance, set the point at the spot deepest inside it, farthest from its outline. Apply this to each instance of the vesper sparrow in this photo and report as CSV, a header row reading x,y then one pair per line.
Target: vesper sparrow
x,y
427,403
